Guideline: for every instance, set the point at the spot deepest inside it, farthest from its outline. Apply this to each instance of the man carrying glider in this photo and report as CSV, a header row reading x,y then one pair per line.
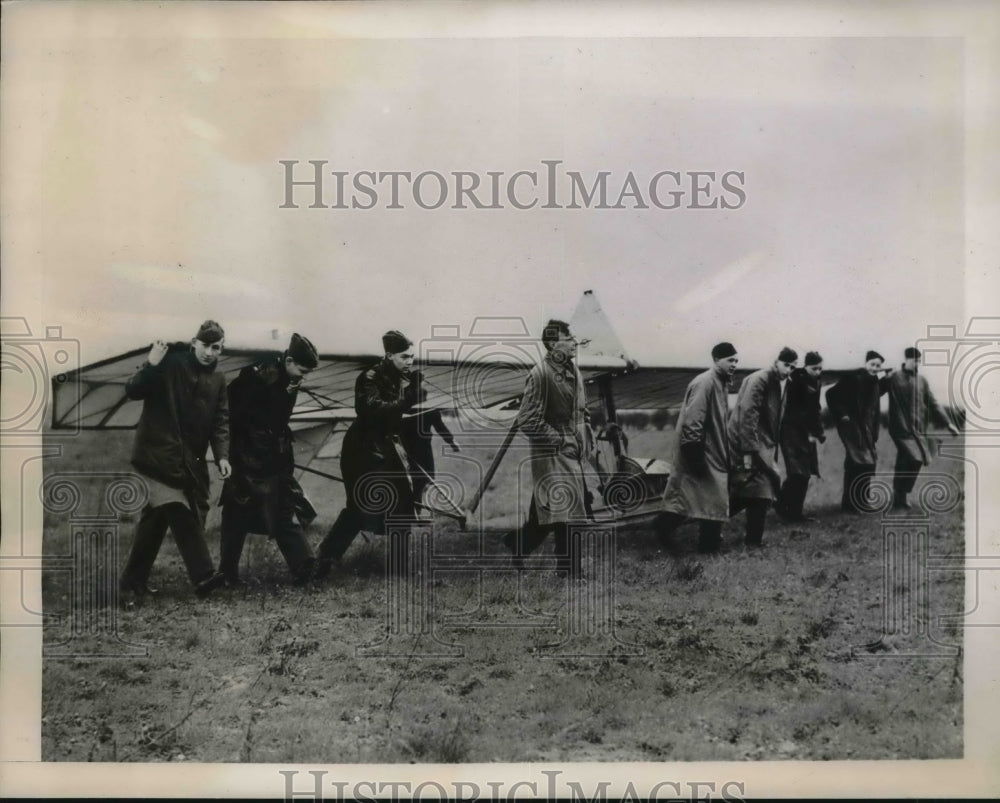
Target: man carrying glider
x,y
551,416
262,494
801,430
373,460
698,487
854,404
754,431
912,407
184,410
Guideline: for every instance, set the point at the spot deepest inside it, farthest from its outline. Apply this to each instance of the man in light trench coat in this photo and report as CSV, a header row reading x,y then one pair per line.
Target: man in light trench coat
x,y
552,416
912,407
754,433
698,487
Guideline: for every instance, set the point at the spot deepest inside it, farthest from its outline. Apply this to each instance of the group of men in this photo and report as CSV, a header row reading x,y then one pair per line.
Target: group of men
x,y
726,460
187,408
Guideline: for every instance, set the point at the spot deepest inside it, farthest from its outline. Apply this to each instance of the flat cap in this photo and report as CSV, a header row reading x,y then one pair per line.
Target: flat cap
x,y
210,332
303,351
722,350
788,355
395,341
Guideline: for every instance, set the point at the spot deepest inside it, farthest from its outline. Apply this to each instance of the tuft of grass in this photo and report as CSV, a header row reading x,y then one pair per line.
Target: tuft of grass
x,y
439,743
690,569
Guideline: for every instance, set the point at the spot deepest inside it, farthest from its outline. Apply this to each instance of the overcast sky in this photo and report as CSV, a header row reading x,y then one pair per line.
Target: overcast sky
x,y
155,187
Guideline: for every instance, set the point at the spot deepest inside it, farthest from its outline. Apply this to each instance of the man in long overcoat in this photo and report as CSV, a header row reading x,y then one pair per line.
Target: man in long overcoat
x,y
754,432
801,430
262,494
372,459
184,410
552,417
912,408
854,404
698,487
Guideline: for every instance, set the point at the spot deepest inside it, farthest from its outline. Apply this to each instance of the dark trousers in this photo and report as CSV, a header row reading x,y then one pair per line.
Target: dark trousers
x,y
530,537
188,531
278,522
857,479
793,495
709,531
351,521
905,476
756,518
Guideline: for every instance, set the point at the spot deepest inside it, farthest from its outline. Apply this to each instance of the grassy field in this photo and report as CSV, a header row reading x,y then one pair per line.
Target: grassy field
x,y
772,654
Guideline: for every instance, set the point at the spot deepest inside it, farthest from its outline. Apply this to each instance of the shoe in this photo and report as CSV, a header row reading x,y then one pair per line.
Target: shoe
x,y
129,599
209,584
305,573
901,503
802,519
139,587
510,542
753,544
322,568
134,594
231,579
709,547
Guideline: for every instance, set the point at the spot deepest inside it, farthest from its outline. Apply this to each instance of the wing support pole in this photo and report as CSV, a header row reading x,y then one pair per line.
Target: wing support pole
x,y
488,478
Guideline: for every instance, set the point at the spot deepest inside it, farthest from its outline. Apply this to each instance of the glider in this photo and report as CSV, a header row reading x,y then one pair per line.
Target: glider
x,y
479,373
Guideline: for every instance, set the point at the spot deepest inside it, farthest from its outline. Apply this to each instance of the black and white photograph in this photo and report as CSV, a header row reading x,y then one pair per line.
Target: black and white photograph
x,y
500,400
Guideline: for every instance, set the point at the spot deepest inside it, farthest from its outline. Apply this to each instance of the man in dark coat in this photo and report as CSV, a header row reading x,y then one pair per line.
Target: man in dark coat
x,y
754,433
854,404
417,433
698,487
552,418
801,430
262,493
912,408
184,410
373,460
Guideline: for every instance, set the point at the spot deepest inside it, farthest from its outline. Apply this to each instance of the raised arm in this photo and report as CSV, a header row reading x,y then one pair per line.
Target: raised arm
x,y
149,376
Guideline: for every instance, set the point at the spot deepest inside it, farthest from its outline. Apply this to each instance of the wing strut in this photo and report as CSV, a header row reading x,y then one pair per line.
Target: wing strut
x,y
477,497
